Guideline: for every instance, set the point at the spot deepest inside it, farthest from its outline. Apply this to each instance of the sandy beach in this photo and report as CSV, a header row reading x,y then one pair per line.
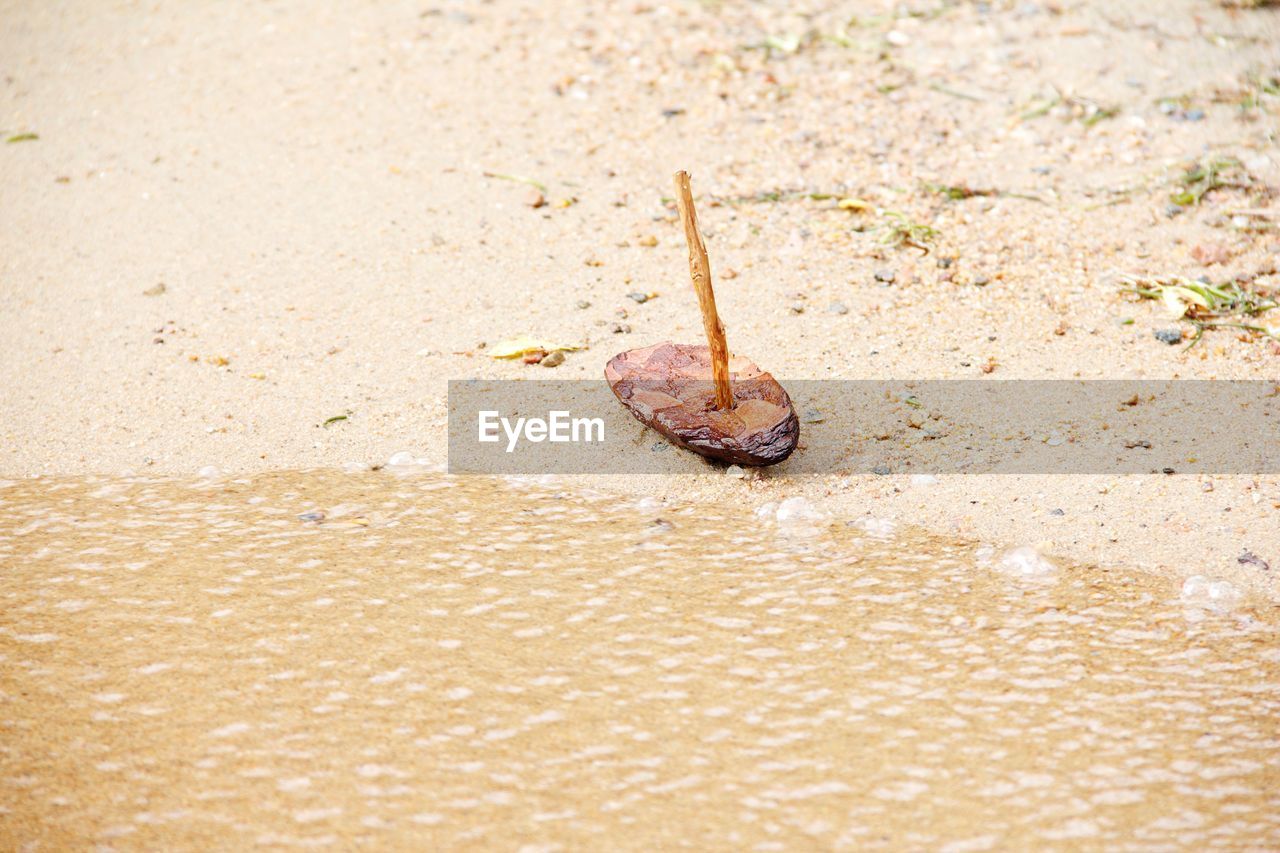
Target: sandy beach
x,y
233,224
245,248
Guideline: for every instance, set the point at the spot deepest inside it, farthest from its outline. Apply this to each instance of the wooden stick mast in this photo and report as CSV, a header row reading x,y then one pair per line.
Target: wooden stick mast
x,y
700,273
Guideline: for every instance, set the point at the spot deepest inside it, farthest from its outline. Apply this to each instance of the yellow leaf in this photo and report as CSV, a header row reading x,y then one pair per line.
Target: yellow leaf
x,y
853,204
1177,299
516,347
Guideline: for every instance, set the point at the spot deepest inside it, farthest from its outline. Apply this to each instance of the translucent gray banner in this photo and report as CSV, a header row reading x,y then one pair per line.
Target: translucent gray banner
x,y
894,427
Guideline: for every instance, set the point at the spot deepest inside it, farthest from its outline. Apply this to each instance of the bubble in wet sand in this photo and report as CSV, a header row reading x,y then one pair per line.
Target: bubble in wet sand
x,y
1026,562
1219,595
798,509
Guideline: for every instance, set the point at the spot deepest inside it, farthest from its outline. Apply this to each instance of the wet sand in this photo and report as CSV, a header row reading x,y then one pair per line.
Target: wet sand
x,y
405,660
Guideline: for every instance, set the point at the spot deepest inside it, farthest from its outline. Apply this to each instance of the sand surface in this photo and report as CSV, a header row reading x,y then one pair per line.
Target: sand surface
x,y
309,184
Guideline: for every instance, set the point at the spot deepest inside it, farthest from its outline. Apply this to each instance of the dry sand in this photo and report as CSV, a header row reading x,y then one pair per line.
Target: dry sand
x,y
309,184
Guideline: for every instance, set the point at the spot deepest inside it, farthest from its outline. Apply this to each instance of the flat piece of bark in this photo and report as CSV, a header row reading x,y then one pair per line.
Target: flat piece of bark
x,y
669,387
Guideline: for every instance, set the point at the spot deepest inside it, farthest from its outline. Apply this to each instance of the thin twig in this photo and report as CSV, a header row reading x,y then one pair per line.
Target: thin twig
x,y
700,273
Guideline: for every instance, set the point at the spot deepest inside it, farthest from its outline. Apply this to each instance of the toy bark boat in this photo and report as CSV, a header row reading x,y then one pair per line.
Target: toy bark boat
x,y
698,397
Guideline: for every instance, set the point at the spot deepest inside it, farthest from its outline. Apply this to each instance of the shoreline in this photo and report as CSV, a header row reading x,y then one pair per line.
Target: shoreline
x,y
1015,511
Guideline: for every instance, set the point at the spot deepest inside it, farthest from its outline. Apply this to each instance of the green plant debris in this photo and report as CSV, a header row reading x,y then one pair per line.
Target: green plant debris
x,y
898,231
541,187
22,137
1070,107
1252,93
955,93
842,38
333,420
784,44
1205,306
958,192
789,43
774,196
1204,176
1175,102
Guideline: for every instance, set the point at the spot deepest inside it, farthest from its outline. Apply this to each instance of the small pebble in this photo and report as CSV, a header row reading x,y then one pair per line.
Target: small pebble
x,y
648,241
534,198
981,280
583,304
1248,558
737,472
1057,512
886,276
813,416
553,359
1171,210
1172,337
621,329
837,308
403,457
882,470
797,308
315,515
637,296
